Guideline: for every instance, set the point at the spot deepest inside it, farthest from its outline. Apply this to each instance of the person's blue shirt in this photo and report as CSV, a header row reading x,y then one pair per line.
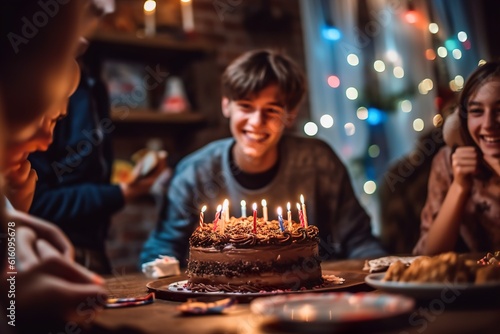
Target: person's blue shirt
x,y
73,188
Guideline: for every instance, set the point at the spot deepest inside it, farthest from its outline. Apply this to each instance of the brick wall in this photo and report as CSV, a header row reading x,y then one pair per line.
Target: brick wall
x,y
231,27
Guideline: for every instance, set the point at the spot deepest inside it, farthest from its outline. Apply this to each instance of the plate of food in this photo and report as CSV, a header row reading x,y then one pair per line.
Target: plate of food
x,y
335,311
447,276
447,291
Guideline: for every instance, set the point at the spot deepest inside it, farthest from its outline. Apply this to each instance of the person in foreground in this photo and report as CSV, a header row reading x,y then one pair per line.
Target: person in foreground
x,y
74,187
261,91
51,291
463,203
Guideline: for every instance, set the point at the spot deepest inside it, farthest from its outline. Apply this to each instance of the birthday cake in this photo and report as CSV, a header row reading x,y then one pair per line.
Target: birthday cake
x,y
248,257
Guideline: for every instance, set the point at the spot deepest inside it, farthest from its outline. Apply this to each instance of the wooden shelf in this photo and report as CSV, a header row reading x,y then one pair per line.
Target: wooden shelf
x,y
153,116
164,43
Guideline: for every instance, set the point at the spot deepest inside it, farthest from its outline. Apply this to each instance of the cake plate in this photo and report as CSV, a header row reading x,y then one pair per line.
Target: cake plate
x,y
173,288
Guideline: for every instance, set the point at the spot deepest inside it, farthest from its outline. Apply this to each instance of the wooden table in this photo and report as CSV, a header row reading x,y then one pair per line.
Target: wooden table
x,y
162,316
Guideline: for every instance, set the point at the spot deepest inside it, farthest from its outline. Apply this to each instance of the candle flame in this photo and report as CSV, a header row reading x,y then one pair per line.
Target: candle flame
x,y
280,212
301,199
185,0
254,206
149,5
203,208
243,203
288,206
225,204
264,203
298,206
219,208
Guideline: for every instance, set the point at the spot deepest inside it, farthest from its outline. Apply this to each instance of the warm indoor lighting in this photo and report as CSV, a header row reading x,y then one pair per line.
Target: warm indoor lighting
x,y
149,5
411,16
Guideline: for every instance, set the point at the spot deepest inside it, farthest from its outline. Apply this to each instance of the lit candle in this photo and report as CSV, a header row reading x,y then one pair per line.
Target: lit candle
x,y
202,215
280,219
289,215
254,207
304,211
243,209
225,205
149,17
301,216
217,216
187,15
264,209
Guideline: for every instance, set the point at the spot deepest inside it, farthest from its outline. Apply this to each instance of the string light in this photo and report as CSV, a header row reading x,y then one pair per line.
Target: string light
x,y
375,116
350,129
333,81
351,93
332,33
442,52
326,121
406,106
430,54
437,120
462,36
370,187
433,28
310,129
373,151
379,66
418,124
457,54
352,59
362,113
398,72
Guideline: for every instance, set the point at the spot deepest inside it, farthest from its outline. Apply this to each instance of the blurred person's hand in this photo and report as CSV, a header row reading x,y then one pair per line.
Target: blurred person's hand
x,y
464,163
145,174
38,228
21,184
55,290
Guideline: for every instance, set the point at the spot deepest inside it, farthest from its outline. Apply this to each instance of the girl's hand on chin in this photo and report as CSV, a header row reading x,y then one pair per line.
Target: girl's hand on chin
x,y
21,184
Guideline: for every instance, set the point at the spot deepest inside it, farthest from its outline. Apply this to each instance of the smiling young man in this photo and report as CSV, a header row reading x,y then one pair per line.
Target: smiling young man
x,y
261,91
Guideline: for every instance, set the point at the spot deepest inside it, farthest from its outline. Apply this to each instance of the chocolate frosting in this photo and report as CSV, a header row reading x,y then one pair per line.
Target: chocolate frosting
x,y
238,232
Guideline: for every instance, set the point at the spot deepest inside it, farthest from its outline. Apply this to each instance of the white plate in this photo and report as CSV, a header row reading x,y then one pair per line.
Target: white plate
x,y
316,312
446,291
